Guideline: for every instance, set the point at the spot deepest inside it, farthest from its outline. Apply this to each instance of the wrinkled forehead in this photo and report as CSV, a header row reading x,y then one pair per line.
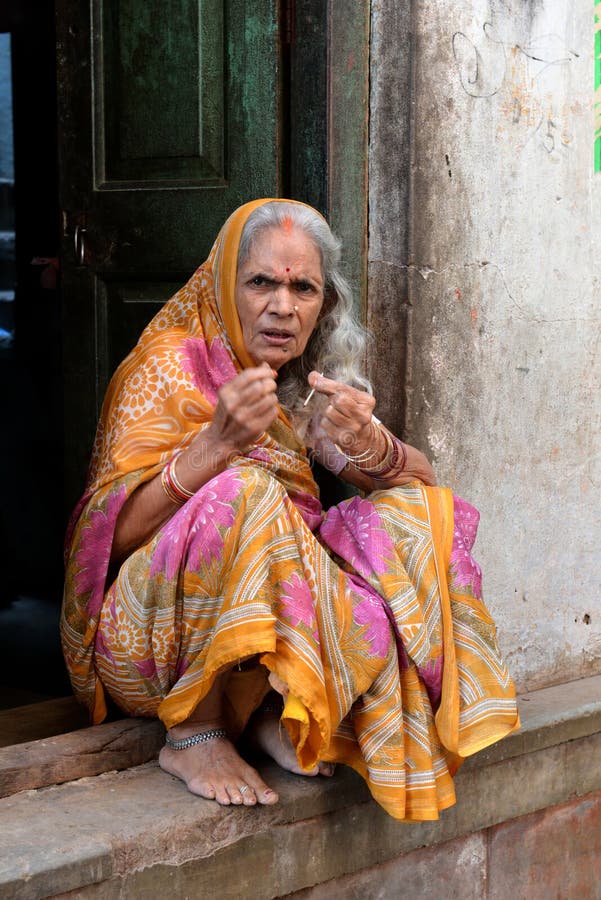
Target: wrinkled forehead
x,y
259,247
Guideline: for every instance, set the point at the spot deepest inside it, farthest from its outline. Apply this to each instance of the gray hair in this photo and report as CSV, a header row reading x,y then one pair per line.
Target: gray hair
x,y
338,343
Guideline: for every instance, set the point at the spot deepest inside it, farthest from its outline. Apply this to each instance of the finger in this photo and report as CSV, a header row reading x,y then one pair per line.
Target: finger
x,y
248,376
349,400
323,385
246,391
266,365
344,413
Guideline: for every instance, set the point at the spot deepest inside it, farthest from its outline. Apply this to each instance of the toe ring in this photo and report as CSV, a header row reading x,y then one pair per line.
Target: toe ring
x,y
194,739
243,788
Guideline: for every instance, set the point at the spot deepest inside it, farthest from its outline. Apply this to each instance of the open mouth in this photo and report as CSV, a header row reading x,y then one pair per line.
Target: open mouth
x,y
276,335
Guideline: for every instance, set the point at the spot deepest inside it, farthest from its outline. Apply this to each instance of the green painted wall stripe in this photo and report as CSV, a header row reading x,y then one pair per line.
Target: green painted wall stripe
x,y
597,132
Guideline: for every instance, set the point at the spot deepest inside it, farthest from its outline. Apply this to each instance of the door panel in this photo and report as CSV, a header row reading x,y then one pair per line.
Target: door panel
x,y
169,118
140,138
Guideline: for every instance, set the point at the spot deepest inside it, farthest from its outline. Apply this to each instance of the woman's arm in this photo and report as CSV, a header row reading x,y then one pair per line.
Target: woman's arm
x,y
246,407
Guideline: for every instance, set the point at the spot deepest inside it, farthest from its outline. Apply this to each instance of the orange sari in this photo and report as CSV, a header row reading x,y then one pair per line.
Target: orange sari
x,y
371,612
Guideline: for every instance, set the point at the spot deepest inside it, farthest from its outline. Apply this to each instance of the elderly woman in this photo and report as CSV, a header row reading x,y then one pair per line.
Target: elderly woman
x,y
206,585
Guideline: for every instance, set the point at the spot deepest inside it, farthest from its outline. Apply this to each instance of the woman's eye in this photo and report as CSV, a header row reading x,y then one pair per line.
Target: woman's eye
x,y
304,287
258,281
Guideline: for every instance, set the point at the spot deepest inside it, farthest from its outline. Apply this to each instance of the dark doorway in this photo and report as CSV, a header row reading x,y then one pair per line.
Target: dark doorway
x,y
64,343
31,457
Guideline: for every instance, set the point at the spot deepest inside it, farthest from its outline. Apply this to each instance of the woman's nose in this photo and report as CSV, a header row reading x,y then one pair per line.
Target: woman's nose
x,y
282,300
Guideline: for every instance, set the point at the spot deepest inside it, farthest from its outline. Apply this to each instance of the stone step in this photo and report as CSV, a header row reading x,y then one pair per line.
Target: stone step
x,y
139,833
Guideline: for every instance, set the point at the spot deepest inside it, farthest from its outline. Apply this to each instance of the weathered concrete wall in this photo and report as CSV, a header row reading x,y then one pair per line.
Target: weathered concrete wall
x,y
486,215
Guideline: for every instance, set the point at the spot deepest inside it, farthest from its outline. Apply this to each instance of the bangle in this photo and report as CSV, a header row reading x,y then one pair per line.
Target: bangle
x,y
360,457
387,461
390,464
180,489
172,486
366,455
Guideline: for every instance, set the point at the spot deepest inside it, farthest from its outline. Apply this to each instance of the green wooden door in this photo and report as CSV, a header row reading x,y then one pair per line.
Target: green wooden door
x,y
169,118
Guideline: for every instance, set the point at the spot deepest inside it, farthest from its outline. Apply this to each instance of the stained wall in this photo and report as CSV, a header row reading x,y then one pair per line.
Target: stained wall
x,y
485,295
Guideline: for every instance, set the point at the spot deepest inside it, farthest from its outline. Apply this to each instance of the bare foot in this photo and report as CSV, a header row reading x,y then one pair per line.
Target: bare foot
x,y
215,770
266,733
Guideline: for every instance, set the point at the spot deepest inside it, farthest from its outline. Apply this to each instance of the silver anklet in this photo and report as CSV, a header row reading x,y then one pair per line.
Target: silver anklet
x,y
202,738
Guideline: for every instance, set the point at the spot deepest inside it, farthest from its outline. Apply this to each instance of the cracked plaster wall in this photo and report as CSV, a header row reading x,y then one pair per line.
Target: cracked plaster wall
x,y
484,295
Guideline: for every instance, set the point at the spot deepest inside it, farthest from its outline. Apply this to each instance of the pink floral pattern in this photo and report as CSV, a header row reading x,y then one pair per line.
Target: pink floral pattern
x,y
297,604
193,534
355,532
370,611
94,553
466,571
210,366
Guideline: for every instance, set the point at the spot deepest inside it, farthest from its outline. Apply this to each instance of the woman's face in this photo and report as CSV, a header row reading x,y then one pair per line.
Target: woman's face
x,y
279,294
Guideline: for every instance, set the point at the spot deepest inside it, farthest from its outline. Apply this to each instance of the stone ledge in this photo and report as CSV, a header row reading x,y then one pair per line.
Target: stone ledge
x,y
139,831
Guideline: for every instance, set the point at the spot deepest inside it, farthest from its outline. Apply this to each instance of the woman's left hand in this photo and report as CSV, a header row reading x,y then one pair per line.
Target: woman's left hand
x,y
347,419
348,422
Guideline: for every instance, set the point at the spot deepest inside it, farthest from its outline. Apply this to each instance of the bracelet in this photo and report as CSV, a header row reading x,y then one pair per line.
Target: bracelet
x,y
360,457
180,489
388,465
390,459
393,468
366,455
171,485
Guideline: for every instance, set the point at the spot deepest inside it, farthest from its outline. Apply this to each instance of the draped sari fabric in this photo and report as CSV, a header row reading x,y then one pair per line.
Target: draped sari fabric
x,y
370,612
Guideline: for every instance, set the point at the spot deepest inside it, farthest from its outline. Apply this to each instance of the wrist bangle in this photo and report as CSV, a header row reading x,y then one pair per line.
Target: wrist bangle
x,y
391,464
171,485
366,455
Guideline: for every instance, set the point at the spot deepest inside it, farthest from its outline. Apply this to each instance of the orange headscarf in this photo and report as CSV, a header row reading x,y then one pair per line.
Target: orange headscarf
x,y
166,389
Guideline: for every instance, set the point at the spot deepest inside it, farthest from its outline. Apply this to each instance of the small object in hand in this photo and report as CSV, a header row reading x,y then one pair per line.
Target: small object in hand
x,y
311,392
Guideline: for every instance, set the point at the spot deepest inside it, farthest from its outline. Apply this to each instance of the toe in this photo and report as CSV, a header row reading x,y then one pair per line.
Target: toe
x,y
327,769
234,793
268,797
202,789
249,797
222,796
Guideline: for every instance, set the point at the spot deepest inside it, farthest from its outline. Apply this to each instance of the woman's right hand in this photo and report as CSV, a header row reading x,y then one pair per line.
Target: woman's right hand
x,y
247,406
